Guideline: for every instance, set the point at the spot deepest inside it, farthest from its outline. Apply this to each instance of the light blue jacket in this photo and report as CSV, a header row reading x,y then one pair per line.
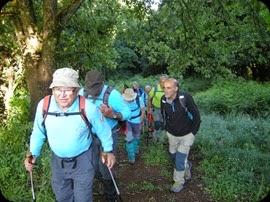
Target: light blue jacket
x,y
135,110
68,136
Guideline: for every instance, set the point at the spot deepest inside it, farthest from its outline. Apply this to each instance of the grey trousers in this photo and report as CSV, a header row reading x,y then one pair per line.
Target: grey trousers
x,y
72,181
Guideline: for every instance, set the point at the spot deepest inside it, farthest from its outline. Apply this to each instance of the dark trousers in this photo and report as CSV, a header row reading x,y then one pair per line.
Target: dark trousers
x,y
101,170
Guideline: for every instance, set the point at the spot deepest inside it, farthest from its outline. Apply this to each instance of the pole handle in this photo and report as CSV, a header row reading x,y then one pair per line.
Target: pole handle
x,y
29,156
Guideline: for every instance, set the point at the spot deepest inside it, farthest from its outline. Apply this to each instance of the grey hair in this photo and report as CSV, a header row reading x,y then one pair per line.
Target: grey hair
x,y
174,81
164,76
136,83
147,87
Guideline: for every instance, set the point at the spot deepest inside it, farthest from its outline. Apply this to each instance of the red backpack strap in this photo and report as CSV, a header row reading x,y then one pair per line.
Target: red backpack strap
x,y
83,111
46,104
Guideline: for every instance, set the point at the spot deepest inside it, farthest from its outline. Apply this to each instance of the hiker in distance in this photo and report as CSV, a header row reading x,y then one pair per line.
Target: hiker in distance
x,y
182,120
134,123
140,92
68,131
114,109
154,98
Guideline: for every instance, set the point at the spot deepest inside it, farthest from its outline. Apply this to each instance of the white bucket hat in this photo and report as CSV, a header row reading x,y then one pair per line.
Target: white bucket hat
x,y
129,94
65,77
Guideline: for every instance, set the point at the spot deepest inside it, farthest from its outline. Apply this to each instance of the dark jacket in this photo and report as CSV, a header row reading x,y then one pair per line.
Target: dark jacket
x,y
176,120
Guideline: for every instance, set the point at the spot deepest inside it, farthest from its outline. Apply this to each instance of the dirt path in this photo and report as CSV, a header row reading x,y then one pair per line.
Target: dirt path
x,y
142,183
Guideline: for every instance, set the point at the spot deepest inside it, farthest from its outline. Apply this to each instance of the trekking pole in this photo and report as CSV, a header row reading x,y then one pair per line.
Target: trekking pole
x,y
114,182
115,185
30,157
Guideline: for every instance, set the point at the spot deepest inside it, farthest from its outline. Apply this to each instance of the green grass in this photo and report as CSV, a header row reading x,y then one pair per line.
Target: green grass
x,y
144,186
156,154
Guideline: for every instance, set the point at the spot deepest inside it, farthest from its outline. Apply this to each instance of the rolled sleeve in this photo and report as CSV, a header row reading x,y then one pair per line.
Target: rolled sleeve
x,y
119,105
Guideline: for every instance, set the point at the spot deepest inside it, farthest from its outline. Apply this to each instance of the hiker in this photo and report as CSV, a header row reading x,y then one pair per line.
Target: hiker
x,y
137,89
147,89
134,123
182,120
154,108
70,138
114,109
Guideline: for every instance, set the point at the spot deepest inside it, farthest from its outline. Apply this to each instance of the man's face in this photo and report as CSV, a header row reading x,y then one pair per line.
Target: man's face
x,y
97,91
134,86
147,90
65,96
170,89
161,82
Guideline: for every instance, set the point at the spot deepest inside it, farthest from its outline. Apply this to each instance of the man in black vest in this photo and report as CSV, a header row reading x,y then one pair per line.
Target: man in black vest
x,y
182,120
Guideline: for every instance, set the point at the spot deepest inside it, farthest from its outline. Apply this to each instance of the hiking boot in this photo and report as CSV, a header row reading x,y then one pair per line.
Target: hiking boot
x,y
188,171
177,186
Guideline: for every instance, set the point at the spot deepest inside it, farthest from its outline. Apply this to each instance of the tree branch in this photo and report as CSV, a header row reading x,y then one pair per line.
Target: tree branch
x,y
66,12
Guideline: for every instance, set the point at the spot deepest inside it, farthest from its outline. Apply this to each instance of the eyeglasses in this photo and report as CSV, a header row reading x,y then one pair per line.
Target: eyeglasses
x,y
67,91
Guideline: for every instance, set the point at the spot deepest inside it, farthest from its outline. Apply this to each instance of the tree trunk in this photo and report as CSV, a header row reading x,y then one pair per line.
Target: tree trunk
x,y
38,47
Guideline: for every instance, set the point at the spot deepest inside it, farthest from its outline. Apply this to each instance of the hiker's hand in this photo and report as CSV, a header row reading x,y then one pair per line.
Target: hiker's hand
x,y
106,110
108,159
29,163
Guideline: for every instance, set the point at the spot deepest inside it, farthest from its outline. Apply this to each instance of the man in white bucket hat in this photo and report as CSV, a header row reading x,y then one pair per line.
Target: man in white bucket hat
x,y
134,123
70,138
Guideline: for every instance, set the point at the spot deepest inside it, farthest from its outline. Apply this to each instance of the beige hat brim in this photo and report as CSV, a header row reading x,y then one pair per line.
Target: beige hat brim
x,y
65,84
127,98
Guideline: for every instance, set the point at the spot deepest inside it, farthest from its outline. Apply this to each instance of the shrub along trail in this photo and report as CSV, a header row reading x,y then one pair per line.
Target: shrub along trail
x,y
142,183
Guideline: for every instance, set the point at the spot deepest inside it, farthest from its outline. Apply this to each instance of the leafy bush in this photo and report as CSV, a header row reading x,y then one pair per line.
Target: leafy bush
x,y
238,96
236,156
194,85
14,136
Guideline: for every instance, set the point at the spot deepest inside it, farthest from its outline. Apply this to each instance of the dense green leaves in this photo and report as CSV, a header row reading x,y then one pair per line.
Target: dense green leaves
x,y
209,38
239,97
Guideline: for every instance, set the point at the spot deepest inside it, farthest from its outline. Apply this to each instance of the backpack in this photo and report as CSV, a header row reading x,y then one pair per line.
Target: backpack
x,y
182,101
82,112
106,95
139,106
140,92
105,99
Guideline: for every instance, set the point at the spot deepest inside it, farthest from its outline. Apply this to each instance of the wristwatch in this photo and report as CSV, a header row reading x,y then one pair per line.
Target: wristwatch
x,y
115,116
